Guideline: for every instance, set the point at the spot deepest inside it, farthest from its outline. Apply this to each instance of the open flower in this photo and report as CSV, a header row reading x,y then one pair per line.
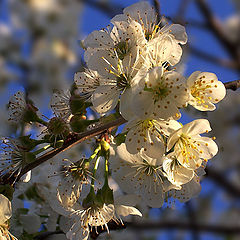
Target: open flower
x,y
96,215
13,157
147,135
175,172
162,95
140,175
189,147
205,90
5,215
60,105
164,39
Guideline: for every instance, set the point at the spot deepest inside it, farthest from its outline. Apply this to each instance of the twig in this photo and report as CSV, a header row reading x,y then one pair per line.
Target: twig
x,y
222,181
78,138
156,5
75,139
216,27
210,58
107,8
217,229
233,85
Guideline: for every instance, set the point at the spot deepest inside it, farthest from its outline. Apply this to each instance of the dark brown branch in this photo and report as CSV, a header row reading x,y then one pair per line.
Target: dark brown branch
x,y
217,229
108,8
210,58
233,85
221,180
150,225
156,5
216,26
72,141
78,138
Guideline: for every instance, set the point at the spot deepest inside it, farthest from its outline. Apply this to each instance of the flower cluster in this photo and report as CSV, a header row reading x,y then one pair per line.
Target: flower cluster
x,y
130,72
131,65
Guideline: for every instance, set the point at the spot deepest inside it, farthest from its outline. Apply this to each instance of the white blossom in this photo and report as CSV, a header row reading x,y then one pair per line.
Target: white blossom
x,y
147,135
60,104
161,95
189,147
205,90
140,175
17,107
5,215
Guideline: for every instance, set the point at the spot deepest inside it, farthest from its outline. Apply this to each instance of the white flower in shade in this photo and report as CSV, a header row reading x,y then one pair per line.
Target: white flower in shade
x,y
145,14
164,39
187,191
175,172
140,175
162,95
89,218
125,40
74,175
17,107
117,81
5,215
205,90
147,135
189,147
13,157
60,105
87,82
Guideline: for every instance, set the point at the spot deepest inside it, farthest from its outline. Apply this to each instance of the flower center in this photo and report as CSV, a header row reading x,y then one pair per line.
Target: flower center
x,y
122,82
160,91
78,170
198,90
122,49
187,148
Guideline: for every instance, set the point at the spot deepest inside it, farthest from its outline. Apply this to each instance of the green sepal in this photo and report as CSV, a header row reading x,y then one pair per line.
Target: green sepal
x,y
29,143
77,105
59,143
30,115
28,157
32,194
105,195
120,138
78,124
89,200
109,118
7,190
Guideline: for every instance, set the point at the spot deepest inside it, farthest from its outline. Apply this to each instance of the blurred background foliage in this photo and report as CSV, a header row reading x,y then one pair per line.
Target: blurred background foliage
x,y
40,52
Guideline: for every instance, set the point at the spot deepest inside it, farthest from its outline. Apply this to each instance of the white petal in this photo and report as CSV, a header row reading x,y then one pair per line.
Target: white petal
x,y
30,223
126,210
196,127
105,98
5,209
98,39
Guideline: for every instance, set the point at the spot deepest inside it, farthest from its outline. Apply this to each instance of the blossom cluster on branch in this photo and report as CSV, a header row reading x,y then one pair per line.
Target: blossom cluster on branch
x,y
130,72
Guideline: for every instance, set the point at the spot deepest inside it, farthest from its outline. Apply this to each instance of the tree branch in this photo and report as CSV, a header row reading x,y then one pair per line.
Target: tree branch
x,y
156,5
109,9
217,229
210,58
233,85
221,180
78,138
216,26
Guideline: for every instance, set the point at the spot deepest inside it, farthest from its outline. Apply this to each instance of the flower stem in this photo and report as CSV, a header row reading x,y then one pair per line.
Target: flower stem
x,y
94,173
